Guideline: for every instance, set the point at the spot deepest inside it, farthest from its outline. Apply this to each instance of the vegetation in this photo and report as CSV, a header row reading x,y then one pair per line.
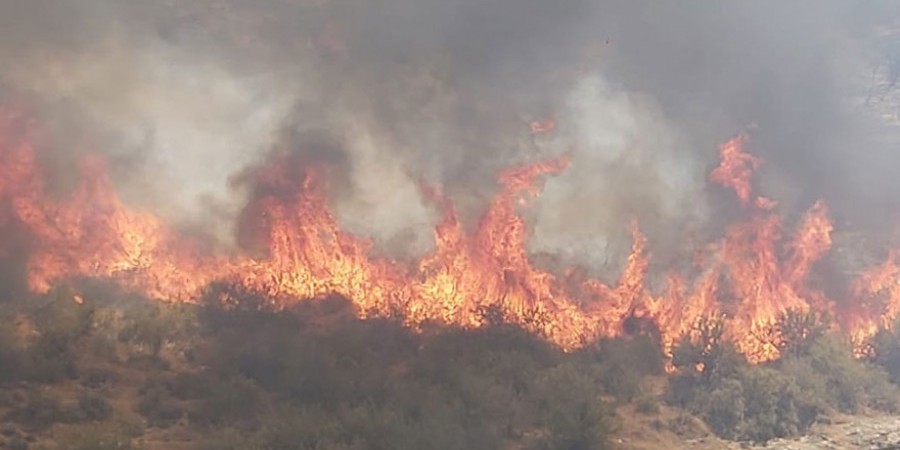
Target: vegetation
x,y
886,351
104,373
816,375
313,378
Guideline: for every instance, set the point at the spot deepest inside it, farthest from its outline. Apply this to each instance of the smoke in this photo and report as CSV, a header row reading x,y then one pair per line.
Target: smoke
x,y
183,95
629,163
174,124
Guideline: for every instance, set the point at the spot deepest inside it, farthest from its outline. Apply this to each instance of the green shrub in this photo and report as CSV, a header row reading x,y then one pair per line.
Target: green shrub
x,y
812,387
113,436
49,360
571,410
293,380
11,359
146,336
39,411
647,404
98,378
798,331
157,406
308,429
886,348
621,363
685,425
770,405
229,401
707,349
376,384
850,384
64,317
17,443
723,408
642,355
782,398
191,386
702,359
147,363
93,407
757,404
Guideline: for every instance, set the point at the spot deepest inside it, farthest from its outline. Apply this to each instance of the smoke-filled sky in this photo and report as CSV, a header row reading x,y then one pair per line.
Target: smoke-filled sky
x,y
184,95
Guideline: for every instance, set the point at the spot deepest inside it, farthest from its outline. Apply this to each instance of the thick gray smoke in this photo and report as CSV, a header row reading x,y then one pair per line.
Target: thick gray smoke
x,y
183,95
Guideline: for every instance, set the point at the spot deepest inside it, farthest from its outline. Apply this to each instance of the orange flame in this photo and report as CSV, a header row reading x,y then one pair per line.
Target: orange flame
x,y
749,279
736,168
879,306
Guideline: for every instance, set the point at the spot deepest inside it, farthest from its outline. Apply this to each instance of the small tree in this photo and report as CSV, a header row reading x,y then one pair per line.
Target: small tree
x,y
704,350
797,331
491,315
886,350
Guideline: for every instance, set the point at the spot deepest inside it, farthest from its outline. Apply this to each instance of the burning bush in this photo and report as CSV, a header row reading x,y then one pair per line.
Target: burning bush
x,y
760,402
798,331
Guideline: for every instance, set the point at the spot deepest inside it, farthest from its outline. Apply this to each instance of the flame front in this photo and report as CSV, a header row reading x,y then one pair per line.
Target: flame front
x,y
748,279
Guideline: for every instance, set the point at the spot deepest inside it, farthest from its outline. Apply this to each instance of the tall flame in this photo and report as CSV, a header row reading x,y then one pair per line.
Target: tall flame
x,y
736,168
749,279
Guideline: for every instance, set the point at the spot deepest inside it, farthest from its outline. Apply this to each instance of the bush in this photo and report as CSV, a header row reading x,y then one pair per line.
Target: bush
x,y
98,437
293,380
642,355
189,386
17,443
229,401
758,404
62,316
736,400
703,359
771,406
783,398
571,410
647,404
843,382
49,360
146,335
376,384
10,358
158,407
886,349
723,408
94,408
98,378
706,353
798,331
39,411
621,364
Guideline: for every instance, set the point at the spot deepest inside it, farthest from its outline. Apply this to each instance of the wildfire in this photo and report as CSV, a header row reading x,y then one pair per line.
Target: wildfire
x,y
736,168
749,279
879,291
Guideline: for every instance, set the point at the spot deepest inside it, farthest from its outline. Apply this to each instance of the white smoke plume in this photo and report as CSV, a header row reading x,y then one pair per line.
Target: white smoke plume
x,y
184,95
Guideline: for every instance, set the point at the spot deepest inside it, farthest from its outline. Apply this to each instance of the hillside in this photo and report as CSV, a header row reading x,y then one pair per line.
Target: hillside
x,y
119,372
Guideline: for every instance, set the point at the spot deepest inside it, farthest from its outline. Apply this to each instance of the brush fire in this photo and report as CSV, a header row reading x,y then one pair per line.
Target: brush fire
x,y
749,279
466,224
